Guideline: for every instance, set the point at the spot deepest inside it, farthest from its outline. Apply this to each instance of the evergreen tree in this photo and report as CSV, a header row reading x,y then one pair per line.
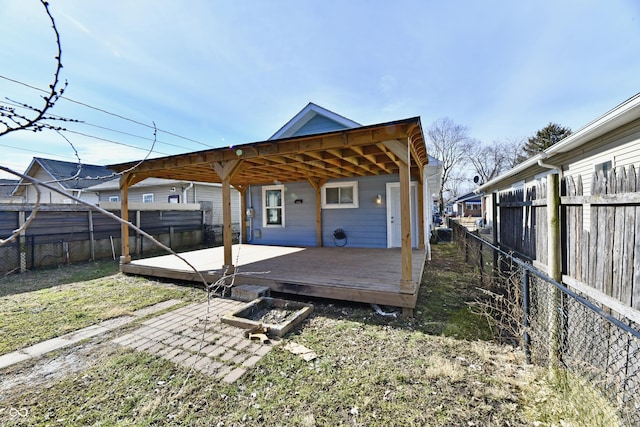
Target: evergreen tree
x,y
543,139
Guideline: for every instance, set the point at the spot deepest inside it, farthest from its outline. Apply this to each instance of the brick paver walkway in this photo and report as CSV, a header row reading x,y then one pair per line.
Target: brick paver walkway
x,y
223,353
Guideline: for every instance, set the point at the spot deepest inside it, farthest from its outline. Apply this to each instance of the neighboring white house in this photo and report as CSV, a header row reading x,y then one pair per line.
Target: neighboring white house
x,y
596,215
608,142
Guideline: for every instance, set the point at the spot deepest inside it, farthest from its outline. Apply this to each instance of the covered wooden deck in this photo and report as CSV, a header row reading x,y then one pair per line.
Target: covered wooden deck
x,y
350,274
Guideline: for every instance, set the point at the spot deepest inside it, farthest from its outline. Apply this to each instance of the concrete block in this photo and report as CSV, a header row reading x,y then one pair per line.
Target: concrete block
x,y
249,292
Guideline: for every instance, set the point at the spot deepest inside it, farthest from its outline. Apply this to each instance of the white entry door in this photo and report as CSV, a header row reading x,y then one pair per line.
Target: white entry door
x,y
394,233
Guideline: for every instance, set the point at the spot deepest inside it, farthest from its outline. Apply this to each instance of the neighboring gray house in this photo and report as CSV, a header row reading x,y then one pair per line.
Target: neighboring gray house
x,y
162,193
98,185
6,189
72,177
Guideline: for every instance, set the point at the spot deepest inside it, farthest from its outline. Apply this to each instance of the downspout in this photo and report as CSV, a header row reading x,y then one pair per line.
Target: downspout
x,y
250,206
184,193
549,165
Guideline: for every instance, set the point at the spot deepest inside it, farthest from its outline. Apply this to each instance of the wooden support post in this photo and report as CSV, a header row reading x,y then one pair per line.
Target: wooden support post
x,y
554,253
406,284
317,184
225,171
125,256
242,189
227,231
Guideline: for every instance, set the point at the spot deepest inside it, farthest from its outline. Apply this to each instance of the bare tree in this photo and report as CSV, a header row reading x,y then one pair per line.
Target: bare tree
x,y
513,149
490,160
35,118
449,143
457,185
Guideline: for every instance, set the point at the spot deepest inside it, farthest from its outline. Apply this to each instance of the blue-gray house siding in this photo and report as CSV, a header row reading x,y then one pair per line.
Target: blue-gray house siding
x,y
318,124
365,226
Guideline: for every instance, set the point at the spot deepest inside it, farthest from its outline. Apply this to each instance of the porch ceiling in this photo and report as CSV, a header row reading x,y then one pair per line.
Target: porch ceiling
x,y
363,151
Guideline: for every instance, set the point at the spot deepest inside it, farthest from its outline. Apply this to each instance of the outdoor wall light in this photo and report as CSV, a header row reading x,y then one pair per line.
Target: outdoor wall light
x,y
379,200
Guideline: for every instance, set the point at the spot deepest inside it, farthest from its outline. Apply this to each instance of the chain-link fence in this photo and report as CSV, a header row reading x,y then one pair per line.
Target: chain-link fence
x,y
67,234
588,346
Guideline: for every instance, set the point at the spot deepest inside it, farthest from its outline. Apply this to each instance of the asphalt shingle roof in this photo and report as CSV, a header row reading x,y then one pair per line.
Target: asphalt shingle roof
x,y
63,172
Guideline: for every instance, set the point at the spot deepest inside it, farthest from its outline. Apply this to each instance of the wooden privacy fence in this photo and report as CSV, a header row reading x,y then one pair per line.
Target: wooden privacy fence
x,y
72,233
600,232
523,222
603,247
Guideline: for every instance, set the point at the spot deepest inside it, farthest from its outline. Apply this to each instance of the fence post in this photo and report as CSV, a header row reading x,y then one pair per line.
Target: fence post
x,y
554,253
481,262
525,313
494,233
466,248
92,242
23,242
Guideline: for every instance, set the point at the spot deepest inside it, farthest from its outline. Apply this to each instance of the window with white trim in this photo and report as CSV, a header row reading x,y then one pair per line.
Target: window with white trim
x,y
340,195
114,198
273,206
147,198
605,167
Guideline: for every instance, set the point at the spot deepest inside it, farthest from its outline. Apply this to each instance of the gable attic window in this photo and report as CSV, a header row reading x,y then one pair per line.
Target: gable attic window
x,y
114,198
147,198
340,195
273,206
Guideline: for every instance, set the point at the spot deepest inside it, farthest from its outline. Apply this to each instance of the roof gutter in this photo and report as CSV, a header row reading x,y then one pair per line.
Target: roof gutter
x,y
543,156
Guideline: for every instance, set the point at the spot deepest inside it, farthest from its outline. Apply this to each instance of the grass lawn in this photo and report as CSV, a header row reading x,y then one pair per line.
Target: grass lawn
x,y
437,369
48,303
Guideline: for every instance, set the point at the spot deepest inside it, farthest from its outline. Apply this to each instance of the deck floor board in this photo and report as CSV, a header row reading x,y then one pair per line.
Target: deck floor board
x,y
353,274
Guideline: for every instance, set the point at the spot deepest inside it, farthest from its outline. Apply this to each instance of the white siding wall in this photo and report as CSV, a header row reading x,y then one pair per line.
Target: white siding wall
x,y
622,152
46,195
209,193
623,149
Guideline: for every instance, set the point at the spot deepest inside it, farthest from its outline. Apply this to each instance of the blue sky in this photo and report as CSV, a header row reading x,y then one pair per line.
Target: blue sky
x,y
231,72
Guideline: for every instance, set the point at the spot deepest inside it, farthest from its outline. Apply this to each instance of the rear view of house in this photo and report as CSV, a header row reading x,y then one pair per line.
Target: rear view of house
x,y
321,180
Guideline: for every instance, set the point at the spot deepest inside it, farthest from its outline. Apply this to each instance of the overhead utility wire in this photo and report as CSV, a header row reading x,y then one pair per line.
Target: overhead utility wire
x,y
108,112
115,142
40,152
82,122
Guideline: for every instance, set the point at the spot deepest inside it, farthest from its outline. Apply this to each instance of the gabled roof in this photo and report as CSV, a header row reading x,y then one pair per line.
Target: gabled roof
x,y
6,187
378,149
433,161
469,197
305,118
70,175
